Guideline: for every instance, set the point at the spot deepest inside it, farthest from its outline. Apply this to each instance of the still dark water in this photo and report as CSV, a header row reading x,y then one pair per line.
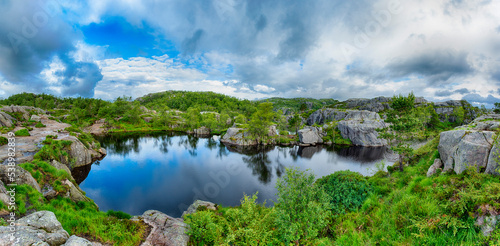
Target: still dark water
x,y
167,172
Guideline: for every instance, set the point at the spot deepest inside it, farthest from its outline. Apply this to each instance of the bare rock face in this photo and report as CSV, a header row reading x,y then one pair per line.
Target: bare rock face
x,y
462,148
166,230
22,176
39,228
363,132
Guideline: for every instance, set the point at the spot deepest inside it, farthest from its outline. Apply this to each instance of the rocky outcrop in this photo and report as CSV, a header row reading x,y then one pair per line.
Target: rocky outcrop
x,y
24,110
4,196
240,136
438,164
165,229
362,132
311,135
375,105
197,205
202,131
446,109
21,176
75,193
81,154
323,116
360,126
39,228
6,120
460,149
26,147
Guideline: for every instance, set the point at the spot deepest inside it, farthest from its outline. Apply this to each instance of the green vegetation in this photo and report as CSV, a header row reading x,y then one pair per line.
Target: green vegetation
x,y
54,150
346,190
39,125
497,108
398,208
261,121
22,133
3,141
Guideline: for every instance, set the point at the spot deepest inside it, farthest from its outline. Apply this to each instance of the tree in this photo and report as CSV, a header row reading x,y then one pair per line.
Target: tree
x,y
261,120
407,122
295,122
497,108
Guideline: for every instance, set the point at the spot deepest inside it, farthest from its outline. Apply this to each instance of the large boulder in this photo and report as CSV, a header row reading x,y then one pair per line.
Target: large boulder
x,y
21,176
165,229
197,205
363,132
77,241
39,228
311,135
460,149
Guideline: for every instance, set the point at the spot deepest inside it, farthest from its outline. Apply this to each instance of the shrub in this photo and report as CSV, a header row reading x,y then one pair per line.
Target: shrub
x,y
39,125
119,214
22,132
302,208
3,141
346,190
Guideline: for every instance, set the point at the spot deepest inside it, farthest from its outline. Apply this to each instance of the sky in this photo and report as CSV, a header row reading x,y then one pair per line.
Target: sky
x,y
439,49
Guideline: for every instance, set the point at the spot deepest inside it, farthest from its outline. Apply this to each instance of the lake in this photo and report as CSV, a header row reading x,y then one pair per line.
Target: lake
x,y
168,171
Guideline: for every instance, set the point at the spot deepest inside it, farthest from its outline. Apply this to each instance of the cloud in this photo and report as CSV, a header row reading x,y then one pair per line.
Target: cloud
x,y
476,98
139,76
462,91
288,48
32,34
436,65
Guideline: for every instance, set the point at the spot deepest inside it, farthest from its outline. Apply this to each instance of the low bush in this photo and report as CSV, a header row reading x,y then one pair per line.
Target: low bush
x,y
3,141
22,133
346,190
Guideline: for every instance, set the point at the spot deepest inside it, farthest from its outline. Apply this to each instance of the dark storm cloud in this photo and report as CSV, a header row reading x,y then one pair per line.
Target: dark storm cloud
x,y
435,65
31,35
462,91
496,75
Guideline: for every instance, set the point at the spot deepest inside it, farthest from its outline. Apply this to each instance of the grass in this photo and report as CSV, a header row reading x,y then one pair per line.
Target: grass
x,y
39,125
54,150
22,133
3,141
